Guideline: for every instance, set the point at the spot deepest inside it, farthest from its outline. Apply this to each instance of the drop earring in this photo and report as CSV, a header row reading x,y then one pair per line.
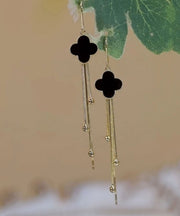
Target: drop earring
x,y
84,49
108,85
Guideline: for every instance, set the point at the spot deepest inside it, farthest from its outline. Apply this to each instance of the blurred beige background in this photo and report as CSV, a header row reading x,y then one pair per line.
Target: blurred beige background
x,y
41,102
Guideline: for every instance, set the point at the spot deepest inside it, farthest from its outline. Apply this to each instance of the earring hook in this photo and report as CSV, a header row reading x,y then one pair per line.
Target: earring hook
x,y
82,18
106,50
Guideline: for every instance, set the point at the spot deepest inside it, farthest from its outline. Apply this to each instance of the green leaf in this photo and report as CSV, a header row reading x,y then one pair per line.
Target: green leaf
x,y
176,26
152,21
155,22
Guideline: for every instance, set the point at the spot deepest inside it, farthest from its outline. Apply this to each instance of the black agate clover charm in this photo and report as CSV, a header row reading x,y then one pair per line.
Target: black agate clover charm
x,y
108,84
83,49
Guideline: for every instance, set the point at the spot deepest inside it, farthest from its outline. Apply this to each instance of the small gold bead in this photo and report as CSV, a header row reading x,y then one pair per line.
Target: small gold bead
x,y
107,138
91,153
112,189
91,100
85,127
116,162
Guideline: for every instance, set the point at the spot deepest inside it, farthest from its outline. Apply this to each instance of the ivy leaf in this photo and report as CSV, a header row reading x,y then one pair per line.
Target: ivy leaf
x,y
155,22
152,21
176,26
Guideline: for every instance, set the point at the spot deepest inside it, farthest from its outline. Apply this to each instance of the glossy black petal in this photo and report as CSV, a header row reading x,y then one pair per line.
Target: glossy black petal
x,y
75,49
108,93
99,84
108,75
108,84
83,40
84,58
92,48
117,84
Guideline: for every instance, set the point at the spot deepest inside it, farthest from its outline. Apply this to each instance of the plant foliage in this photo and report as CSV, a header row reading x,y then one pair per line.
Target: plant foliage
x,y
155,22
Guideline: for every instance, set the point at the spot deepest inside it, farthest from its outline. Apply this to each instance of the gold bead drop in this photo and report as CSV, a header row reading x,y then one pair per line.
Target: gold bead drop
x,y
91,153
108,138
85,127
91,101
112,189
116,162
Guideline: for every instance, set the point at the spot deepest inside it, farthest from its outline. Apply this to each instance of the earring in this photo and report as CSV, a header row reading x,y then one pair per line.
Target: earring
x,y
84,49
108,85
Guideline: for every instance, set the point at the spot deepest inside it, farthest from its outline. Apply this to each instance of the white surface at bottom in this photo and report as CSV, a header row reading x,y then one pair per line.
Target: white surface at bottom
x,y
157,195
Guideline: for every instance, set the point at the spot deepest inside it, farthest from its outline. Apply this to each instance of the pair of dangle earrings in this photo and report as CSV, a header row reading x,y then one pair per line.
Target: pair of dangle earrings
x,y
108,85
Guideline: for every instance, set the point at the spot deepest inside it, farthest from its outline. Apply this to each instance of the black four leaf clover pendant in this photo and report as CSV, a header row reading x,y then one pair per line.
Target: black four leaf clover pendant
x,y
83,49
108,84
